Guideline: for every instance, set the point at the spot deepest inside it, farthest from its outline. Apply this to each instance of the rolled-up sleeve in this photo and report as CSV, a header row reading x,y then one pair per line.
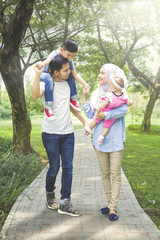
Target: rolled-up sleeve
x,y
116,112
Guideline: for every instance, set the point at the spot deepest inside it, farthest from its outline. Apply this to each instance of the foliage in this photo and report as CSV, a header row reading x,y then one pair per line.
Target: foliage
x,y
5,107
33,106
17,172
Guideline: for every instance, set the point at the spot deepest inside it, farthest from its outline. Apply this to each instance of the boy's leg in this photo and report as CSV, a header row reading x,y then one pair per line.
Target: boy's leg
x,y
49,86
74,95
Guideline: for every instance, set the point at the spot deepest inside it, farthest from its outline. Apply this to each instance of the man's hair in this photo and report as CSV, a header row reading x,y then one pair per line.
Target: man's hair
x,y
57,63
70,45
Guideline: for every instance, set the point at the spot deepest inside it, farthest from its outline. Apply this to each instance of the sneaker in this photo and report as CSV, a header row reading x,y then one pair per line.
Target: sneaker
x,y
75,105
50,114
68,209
51,201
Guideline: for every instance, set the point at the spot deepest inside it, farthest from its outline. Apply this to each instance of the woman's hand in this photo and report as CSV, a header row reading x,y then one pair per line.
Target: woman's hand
x,y
85,91
100,115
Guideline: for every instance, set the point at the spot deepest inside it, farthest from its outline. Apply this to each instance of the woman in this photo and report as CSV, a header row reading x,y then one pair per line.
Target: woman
x,y
110,152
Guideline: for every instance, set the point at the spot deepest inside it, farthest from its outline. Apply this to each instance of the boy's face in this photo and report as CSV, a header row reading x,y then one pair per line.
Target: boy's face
x,y
64,72
67,54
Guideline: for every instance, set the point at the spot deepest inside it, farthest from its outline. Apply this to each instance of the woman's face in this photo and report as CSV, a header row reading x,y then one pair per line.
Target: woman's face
x,y
102,77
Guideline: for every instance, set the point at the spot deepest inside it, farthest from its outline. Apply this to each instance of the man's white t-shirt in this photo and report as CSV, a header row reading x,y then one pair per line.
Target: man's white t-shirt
x,y
61,108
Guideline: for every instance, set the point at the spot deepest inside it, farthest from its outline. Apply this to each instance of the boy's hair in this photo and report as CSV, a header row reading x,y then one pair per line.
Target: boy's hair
x,y
57,63
70,45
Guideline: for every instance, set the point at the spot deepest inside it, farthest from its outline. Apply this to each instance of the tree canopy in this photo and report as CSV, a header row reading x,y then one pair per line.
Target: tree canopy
x,y
125,33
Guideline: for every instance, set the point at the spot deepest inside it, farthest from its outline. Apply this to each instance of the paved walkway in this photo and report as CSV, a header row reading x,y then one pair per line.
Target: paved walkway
x,y
29,219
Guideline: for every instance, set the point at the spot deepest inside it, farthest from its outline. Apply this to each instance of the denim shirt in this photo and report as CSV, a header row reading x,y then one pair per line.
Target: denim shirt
x,y
114,141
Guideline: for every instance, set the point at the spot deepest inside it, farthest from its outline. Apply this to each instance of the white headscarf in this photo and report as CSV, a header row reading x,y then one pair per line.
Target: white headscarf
x,y
111,70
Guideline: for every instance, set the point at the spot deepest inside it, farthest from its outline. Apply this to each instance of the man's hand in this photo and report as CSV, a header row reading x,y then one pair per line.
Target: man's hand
x,y
40,65
37,70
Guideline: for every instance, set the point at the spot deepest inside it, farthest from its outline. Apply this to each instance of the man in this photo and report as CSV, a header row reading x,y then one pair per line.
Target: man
x,y
58,136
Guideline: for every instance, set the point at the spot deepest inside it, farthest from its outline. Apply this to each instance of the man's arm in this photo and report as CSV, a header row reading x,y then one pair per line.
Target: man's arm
x,y
79,116
36,91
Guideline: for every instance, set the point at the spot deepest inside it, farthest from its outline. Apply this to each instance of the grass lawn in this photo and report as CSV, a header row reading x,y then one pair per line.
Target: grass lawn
x,y
140,163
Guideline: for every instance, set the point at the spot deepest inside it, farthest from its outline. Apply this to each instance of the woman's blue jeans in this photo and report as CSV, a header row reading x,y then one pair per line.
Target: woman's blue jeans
x,y
59,146
49,86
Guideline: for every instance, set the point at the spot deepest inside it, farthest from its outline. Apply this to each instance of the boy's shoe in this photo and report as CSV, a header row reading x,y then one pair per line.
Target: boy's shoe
x,y
50,114
51,202
75,105
68,209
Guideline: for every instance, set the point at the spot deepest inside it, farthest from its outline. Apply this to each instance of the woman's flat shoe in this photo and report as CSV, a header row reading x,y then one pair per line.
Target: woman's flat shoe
x,y
113,217
105,210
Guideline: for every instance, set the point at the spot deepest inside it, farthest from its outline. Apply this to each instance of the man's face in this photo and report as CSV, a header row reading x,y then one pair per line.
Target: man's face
x,y
64,72
67,54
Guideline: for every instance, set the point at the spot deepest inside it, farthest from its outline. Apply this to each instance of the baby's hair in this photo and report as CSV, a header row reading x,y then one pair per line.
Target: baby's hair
x,y
119,81
70,45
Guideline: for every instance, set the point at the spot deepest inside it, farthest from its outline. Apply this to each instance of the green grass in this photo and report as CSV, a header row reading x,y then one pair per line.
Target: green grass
x,y
142,168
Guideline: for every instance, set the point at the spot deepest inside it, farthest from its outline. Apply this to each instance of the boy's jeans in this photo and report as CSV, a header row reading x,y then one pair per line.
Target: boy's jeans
x,y
49,85
57,146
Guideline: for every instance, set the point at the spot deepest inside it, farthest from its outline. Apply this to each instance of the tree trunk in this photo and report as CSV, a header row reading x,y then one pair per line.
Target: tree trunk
x,y
13,79
146,123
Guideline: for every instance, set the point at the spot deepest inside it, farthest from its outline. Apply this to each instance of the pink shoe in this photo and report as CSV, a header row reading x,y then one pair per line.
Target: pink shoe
x,y
75,105
50,114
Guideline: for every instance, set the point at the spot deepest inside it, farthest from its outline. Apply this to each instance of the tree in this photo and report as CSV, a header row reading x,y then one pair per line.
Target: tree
x,y
134,35
12,33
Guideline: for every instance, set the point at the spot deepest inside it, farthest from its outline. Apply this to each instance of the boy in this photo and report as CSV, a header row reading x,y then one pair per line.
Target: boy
x,y
68,50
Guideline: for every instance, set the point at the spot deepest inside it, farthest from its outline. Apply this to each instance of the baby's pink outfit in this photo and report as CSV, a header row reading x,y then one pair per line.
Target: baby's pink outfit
x,y
114,101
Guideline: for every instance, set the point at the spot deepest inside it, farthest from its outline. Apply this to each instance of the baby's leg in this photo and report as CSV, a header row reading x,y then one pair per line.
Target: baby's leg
x,y
103,134
105,131
92,124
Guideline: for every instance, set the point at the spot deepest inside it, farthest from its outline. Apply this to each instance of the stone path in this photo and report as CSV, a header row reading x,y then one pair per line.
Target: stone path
x,y
29,219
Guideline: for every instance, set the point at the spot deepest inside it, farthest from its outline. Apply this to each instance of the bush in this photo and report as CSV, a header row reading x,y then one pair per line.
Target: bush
x,y
5,145
17,172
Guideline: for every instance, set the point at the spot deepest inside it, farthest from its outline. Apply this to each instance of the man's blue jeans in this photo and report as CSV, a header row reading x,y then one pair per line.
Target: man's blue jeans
x,y
59,146
49,86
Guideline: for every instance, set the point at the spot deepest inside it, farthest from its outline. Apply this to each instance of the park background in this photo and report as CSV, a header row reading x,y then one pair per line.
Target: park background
x,y
125,33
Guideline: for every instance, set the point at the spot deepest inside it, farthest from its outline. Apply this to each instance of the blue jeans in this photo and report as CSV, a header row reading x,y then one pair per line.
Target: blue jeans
x,y
59,145
49,86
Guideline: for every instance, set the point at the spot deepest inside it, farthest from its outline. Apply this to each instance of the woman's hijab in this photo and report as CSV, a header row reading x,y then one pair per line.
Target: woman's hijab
x,y
111,70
